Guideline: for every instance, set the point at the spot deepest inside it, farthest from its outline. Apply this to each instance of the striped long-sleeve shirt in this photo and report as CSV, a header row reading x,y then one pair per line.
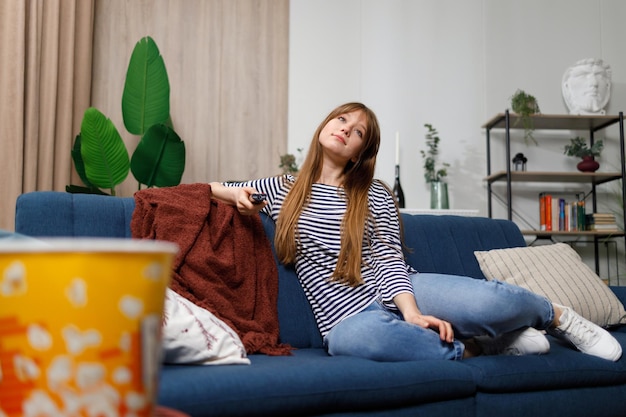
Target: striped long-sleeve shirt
x,y
384,271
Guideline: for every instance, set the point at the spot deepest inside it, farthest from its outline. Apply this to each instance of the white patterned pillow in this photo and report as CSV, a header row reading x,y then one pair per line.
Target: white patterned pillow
x,y
557,272
192,334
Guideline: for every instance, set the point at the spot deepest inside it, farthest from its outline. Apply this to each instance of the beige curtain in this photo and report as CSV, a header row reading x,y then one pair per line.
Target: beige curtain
x,y
45,80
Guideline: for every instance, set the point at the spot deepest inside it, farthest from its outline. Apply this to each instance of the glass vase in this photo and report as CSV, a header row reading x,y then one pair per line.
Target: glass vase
x,y
439,195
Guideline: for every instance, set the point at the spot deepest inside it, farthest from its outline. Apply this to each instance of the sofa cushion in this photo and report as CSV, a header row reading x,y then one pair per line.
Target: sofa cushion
x,y
446,244
580,402
563,367
558,273
194,335
309,383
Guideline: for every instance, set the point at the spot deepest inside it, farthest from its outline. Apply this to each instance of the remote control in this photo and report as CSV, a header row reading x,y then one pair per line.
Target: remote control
x,y
258,198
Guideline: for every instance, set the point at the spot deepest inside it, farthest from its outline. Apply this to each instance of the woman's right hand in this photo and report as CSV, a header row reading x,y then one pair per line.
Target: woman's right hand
x,y
240,197
244,202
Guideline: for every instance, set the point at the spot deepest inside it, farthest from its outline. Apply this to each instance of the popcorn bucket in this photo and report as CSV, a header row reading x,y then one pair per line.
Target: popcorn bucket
x,y
80,326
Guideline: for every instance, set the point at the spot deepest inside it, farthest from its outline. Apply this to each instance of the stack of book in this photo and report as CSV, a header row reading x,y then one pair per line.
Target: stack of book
x,y
602,222
560,214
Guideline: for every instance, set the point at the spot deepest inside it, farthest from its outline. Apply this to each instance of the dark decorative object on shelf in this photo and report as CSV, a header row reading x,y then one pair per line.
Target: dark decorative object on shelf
x,y
519,162
588,164
397,189
578,148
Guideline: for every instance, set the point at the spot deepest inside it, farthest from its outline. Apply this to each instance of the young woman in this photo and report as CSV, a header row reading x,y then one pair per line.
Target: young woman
x,y
340,228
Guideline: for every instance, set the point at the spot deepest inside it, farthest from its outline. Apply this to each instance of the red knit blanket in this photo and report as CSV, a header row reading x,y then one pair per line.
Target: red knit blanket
x,y
225,263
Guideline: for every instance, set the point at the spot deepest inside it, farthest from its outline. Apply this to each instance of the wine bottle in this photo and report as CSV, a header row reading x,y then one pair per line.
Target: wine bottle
x,y
397,189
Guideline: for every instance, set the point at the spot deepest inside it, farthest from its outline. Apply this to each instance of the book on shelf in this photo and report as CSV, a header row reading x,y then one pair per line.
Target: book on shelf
x,y
604,222
558,213
601,217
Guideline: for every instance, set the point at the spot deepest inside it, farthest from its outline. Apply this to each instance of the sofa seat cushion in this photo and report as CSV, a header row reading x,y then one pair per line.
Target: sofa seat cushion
x,y
564,367
310,382
578,402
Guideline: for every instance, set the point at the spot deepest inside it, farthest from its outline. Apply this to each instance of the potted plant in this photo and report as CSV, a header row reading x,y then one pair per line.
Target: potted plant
x,y
99,153
289,164
525,105
578,148
432,175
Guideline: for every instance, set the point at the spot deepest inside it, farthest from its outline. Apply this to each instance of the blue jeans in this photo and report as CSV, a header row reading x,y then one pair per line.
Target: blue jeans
x,y
473,307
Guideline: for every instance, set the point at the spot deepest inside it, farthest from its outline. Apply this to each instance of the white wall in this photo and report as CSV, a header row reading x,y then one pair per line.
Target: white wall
x,y
454,64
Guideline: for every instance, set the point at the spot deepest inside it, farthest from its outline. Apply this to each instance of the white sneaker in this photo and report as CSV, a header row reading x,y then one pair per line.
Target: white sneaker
x,y
586,336
528,341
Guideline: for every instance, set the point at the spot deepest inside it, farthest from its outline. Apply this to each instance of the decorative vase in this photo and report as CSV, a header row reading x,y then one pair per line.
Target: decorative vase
x,y
439,195
588,164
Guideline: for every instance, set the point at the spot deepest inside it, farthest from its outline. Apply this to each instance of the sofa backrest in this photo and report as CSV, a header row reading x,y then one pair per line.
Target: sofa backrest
x,y
59,214
297,323
444,244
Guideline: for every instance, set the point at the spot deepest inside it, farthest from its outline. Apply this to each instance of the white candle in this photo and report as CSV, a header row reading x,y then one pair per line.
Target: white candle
x,y
397,148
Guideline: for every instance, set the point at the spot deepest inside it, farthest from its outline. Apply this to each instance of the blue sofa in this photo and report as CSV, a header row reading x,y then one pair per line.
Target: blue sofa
x,y
311,383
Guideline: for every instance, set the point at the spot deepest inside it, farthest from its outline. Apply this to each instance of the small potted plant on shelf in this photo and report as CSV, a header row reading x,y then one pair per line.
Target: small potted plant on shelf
x,y
434,176
525,105
289,164
578,147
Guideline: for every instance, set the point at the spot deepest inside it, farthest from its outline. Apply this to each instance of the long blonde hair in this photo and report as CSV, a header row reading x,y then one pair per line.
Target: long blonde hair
x,y
357,178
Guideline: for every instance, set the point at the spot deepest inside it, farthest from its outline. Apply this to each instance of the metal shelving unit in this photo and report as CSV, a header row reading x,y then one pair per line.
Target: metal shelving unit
x,y
592,124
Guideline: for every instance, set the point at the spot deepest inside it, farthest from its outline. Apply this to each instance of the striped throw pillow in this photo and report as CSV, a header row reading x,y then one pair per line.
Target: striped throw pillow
x,y
557,272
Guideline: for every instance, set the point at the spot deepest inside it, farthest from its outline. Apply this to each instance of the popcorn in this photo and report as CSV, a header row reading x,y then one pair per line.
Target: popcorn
x,y
77,342
39,404
122,375
154,271
136,401
14,280
131,307
71,402
89,375
25,368
60,371
77,293
38,337
102,402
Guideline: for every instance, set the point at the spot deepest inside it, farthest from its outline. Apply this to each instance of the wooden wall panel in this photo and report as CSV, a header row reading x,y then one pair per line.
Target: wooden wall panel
x,y
227,63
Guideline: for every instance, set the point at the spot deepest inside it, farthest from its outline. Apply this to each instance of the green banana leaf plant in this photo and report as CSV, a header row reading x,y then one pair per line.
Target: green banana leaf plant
x,y
99,153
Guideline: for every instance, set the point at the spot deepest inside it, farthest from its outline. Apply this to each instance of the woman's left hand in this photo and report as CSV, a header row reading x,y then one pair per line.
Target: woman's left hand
x,y
431,322
411,313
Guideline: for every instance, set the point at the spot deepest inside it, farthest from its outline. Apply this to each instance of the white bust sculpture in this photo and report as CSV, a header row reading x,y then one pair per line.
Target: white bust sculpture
x,y
586,86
